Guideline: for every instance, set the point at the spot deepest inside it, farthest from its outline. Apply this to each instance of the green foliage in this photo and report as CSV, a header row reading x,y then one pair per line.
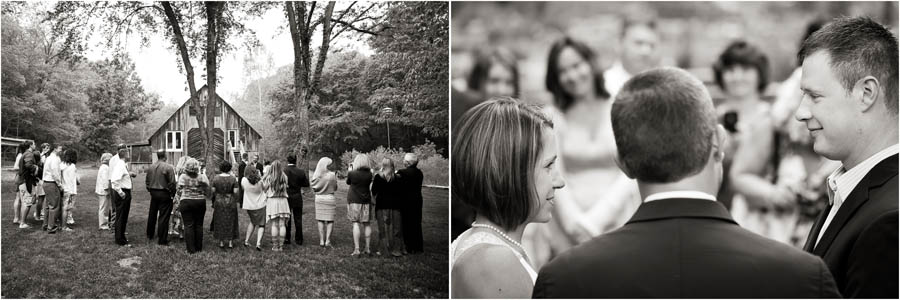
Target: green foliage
x,y
42,96
116,99
435,168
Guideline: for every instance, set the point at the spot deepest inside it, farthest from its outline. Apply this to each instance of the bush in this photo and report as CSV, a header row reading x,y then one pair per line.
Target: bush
x,y
435,168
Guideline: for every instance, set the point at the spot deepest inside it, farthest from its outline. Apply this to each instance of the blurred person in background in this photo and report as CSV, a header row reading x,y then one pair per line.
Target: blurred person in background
x,y
101,188
494,74
324,184
39,211
26,181
598,196
69,187
193,192
776,168
386,192
742,72
411,188
359,201
638,52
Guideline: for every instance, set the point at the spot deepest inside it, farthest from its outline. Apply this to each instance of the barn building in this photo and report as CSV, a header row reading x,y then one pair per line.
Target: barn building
x,y
180,134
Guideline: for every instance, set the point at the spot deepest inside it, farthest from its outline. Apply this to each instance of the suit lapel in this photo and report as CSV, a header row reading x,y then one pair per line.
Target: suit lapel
x,y
817,227
883,171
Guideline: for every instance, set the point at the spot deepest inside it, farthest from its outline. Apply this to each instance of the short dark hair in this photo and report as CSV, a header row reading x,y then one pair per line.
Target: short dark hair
x,y
663,121
45,145
485,60
292,159
225,166
561,98
493,159
858,47
741,53
161,154
244,155
24,146
252,175
70,156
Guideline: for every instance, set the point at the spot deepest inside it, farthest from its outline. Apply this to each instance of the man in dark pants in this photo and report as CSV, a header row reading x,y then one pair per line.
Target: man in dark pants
x,y
241,167
297,179
120,181
161,184
411,182
52,177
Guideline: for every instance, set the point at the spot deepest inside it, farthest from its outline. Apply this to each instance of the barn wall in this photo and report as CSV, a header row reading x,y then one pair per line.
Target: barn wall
x,y
181,120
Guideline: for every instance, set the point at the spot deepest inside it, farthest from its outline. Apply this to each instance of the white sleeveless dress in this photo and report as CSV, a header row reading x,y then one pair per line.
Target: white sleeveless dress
x,y
469,239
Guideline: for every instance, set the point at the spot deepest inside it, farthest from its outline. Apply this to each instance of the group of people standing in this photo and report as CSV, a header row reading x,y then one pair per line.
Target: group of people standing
x,y
650,182
49,181
270,194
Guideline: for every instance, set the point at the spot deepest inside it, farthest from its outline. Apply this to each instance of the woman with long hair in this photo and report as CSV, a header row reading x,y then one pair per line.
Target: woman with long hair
x,y
277,209
255,205
386,190
359,199
324,184
69,186
504,167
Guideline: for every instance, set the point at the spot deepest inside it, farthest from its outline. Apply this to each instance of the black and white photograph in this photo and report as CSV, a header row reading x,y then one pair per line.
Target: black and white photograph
x,y
674,149
257,150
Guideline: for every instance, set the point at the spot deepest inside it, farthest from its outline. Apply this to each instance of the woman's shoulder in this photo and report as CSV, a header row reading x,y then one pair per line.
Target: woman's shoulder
x,y
492,271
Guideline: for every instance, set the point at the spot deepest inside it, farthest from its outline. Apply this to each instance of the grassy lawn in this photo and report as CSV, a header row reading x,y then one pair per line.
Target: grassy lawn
x,y
87,264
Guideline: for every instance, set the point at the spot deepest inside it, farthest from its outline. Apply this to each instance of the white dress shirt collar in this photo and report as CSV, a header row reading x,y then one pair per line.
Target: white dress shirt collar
x,y
844,181
680,195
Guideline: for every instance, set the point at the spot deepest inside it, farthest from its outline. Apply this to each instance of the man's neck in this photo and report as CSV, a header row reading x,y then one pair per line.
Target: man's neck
x,y
868,149
699,183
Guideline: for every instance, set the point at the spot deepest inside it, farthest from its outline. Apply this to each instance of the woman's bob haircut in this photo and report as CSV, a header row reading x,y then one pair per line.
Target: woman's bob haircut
x,y
495,149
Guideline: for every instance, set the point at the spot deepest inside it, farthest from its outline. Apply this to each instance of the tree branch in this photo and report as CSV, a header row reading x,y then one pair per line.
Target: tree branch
x,y
354,28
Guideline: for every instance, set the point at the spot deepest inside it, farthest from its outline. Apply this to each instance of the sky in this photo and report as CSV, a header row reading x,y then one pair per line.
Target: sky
x,y
157,65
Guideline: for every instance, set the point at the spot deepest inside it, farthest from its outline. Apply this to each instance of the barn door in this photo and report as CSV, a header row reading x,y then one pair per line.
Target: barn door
x,y
195,142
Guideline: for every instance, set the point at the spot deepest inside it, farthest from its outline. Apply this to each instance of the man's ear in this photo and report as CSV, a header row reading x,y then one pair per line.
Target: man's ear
x,y
868,89
719,139
622,166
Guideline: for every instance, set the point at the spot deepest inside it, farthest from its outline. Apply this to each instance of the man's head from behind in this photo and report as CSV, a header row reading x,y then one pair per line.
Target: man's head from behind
x,y
850,87
665,127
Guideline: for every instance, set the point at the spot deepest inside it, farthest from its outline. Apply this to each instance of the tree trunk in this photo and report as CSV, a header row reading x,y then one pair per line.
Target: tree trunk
x,y
212,18
188,68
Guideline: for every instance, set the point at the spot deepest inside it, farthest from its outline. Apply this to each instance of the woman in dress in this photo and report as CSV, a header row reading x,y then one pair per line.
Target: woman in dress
x,y
69,187
193,191
225,188
504,166
324,184
598,197
277,210
359,200
101,188
386,191
255,205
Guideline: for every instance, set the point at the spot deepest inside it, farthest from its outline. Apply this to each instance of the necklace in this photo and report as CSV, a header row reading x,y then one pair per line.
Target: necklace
x,y
501,234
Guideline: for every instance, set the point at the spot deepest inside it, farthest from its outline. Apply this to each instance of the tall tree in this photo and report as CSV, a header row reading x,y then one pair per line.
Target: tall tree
x,y
303,20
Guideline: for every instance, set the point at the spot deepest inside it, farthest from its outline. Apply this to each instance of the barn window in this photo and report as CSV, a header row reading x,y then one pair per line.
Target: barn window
x,y
174,141
233,138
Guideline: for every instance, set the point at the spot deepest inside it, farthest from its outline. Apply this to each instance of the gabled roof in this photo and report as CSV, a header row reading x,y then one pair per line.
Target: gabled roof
x,y
186,102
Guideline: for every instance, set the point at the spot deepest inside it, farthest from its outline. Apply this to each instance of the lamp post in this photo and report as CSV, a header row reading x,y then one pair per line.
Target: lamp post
x,y
388,112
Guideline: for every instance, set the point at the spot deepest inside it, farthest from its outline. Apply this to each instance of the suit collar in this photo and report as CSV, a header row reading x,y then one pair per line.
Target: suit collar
x,y
881,173
681,208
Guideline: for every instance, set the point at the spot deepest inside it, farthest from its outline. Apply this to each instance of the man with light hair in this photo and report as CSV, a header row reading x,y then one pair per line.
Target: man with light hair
x,y
411,212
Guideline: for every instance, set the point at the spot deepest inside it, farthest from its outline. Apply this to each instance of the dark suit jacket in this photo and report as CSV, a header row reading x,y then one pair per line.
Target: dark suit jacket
x,y
860,244
684,248
411,181
296,179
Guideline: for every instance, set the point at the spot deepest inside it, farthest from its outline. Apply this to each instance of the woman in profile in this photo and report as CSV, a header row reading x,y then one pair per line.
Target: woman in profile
x,y
504,167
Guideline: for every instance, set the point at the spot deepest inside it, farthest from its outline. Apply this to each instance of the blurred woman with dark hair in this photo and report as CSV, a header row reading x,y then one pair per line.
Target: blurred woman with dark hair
x,y
504,167
255,205
598,197
225,188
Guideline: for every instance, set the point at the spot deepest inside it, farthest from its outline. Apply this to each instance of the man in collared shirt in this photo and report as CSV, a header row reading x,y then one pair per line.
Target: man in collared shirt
x,y
639,51
120,183
849,81
160,182
52,177
681,242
